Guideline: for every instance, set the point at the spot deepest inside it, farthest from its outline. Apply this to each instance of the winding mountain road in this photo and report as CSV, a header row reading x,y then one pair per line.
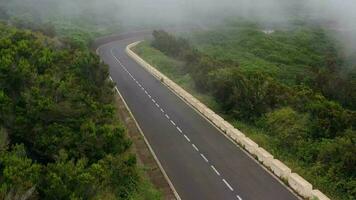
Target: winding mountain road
x,y
201,162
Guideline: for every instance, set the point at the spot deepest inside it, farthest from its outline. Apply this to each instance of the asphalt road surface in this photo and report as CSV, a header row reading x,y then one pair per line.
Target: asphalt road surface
x,y
201,162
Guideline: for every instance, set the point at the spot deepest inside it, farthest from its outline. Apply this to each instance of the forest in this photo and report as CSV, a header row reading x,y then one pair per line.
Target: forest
x,y
60,137
288,90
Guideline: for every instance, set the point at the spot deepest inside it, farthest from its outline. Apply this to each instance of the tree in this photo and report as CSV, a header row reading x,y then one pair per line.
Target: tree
x,y
18,173
289,128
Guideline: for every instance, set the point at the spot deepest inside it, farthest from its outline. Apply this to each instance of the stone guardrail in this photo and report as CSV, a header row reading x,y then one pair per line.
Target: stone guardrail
x,y
295,182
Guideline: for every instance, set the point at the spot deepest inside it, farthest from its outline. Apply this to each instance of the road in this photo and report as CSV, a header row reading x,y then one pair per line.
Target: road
x,y
200,161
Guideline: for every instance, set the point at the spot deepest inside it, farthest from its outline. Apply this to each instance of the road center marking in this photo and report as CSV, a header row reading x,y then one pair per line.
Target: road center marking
x,y
228,185
186,137
202,155
195,147
216,171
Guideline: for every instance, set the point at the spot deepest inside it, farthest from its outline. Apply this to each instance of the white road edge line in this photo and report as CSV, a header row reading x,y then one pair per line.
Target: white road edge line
x,y
167,116
180,130
186,137
157,105
238,197
228,185
117,90
202,155
216,171
162,110
173,123
195,147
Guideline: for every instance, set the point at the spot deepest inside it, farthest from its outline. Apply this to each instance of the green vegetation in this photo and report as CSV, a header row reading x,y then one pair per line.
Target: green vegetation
x,y
288,90
59,133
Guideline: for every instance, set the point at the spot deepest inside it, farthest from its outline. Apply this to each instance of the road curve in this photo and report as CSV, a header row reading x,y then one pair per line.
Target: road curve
x,y
200,161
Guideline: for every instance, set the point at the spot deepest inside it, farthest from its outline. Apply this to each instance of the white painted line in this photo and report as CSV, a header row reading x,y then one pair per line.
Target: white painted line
x,y
202,155
167,116
149,96
238,197
146,92
111,79
228,185
157,105
142,88
153,100
117,90
173,123
216,171
186,137
179,130
139,85
195,147
162,110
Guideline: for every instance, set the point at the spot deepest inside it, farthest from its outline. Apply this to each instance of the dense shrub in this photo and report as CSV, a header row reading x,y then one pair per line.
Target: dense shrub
x,y
59,135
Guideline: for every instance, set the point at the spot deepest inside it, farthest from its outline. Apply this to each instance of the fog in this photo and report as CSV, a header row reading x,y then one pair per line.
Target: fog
x,y
339,16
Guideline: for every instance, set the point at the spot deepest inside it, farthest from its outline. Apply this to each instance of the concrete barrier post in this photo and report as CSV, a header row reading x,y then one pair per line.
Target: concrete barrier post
x,y
280,169
303,187
249,145
317,195
264,157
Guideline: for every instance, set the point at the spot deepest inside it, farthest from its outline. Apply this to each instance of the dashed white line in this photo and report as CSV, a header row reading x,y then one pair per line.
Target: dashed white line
x,y
153,100
238,197
216,171
195,147
146,92
187,138
162,110
180,130
173,123
228,185
202,155
166,116
149,96
110,79
157,105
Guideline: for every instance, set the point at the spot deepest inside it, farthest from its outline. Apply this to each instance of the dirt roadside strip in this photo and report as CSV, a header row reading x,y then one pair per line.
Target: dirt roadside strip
x,y
143,151
300,186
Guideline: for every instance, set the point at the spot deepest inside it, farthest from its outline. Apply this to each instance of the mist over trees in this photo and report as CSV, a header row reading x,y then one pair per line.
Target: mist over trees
x,y
337,16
